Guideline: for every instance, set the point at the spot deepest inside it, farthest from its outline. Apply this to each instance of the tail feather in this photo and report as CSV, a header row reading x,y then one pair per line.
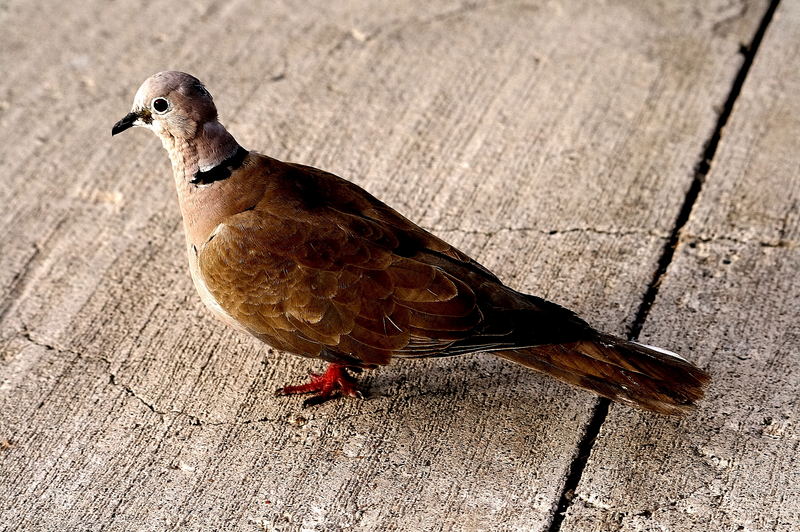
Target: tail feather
x,y
629,372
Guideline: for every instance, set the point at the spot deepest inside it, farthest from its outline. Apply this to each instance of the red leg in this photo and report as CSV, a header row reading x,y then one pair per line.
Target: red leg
x,y
335,382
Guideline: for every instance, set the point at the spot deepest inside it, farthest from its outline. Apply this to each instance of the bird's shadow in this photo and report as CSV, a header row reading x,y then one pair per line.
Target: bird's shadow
x,y
479,383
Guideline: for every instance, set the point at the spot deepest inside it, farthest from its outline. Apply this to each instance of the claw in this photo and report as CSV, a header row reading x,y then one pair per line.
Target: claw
x,y
335,382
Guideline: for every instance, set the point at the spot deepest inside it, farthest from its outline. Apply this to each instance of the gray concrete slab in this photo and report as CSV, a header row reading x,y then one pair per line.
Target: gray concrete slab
x,y
553,141
731,300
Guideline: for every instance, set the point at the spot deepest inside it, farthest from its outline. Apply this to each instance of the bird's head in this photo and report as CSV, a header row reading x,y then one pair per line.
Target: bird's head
x,y
171,104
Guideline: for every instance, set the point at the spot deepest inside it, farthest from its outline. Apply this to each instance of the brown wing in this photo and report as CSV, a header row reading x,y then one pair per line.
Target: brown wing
x,y
322,282
342,195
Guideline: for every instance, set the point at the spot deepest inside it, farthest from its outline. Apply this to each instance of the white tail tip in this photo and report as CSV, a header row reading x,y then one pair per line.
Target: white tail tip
x,y
662,351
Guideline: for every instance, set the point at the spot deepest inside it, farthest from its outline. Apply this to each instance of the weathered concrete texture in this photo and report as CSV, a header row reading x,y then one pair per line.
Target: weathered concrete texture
x,y
553,141
731,300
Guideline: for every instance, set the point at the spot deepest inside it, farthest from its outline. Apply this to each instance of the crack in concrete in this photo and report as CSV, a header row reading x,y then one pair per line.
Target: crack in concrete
x,y
193,419
26,334
705,239
30,337
129,391
550,232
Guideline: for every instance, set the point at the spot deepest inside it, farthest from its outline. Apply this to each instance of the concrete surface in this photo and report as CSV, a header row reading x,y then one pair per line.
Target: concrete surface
x,y
557,142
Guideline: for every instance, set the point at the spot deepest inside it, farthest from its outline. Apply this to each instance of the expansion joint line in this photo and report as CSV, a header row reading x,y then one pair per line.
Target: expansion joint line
x,y
701,170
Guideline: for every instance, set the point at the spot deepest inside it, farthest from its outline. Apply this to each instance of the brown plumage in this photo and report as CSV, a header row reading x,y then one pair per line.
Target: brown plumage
x,y
314,265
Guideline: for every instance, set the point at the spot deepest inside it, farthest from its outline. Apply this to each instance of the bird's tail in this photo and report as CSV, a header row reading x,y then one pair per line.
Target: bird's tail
x,y
628,372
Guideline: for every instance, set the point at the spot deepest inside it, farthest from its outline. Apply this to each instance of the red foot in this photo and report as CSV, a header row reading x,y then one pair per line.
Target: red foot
x,y
335,382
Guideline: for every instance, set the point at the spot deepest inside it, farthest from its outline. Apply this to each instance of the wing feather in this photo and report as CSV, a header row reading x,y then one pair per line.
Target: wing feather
x,y
321,268
338,288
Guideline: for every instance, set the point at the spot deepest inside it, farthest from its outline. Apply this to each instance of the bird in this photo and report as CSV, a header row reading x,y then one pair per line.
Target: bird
x,y
312,264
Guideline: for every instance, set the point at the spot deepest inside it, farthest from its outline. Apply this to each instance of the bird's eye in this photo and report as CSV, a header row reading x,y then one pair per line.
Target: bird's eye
x,y
160,105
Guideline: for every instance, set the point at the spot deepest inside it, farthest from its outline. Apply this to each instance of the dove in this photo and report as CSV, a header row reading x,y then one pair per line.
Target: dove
x,y
312,264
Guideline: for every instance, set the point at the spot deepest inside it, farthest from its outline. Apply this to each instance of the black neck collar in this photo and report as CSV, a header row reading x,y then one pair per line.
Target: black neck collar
x,y
222,170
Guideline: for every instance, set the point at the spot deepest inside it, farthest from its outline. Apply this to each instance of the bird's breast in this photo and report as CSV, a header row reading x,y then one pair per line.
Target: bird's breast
x,y
205,294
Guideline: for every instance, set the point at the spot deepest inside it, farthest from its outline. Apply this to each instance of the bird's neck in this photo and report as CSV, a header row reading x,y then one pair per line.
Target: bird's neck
x,y
210,147
204,202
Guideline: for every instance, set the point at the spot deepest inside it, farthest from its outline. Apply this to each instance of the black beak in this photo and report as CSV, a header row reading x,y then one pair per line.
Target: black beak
x,y
124,124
